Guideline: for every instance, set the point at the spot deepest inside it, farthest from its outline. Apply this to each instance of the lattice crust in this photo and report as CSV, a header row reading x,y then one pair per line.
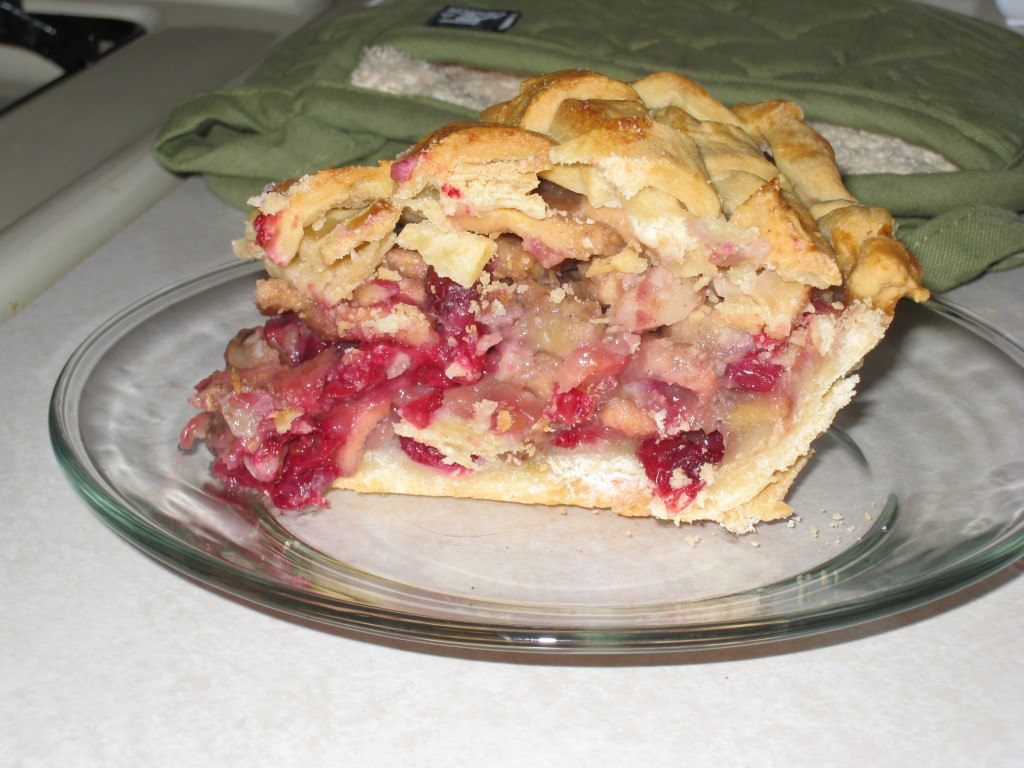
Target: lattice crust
x,y
646,217
737,152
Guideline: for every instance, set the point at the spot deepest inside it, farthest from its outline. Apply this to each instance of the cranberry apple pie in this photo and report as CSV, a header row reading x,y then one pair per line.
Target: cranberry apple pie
x,y
603,294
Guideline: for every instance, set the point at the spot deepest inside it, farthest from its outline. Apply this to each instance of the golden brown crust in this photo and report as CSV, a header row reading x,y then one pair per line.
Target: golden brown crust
x,y
461,149
640,153
575,117
735,165
800,152
877,267
798,250
669,89
540,97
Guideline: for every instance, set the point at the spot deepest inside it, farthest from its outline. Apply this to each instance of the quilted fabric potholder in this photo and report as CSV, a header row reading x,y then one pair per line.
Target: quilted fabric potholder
x,y
931,77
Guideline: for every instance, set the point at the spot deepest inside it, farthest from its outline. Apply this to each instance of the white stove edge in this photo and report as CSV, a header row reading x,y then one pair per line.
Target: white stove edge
x,y
67,219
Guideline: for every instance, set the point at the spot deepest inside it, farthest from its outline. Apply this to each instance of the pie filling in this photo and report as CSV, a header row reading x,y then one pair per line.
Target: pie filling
x,y
541,353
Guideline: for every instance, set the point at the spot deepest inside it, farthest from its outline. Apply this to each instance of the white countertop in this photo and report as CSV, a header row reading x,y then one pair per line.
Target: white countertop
x,y
108,658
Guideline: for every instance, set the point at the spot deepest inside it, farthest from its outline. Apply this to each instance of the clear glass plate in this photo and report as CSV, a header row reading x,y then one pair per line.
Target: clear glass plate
x,y
917,491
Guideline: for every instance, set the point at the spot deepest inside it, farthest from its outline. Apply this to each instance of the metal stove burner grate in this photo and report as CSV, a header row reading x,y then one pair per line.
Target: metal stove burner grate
x,y
73,43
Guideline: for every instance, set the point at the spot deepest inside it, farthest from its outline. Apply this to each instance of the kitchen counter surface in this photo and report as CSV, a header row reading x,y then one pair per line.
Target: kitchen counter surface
x,y
108,658
112,659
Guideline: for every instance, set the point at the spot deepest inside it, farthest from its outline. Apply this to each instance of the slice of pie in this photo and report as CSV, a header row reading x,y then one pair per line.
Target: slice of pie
x,y
604,294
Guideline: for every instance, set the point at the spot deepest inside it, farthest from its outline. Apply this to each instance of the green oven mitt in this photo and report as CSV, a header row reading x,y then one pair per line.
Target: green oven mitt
x,y
929,76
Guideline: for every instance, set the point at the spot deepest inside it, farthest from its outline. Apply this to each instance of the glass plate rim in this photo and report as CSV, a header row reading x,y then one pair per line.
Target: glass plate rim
x,y
365,618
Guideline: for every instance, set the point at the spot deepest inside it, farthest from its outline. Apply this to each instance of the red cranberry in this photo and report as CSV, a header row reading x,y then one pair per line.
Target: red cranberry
x,y
586,433
678,403
354,374
686,451
418,412
752,374
265,226
570,408
295,468
431,372
306,473
450,302
452,305
401,170
428,455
